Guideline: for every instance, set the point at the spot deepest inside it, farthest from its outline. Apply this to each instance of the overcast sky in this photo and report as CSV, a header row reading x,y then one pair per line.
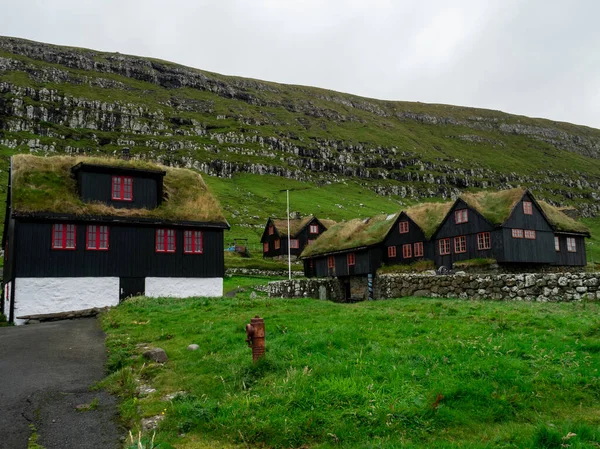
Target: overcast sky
x,y
539,58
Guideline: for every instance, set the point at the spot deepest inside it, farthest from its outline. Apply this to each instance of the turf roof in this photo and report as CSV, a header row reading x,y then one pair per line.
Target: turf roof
x,y
428,216
351,234
45,185
561,221
296,225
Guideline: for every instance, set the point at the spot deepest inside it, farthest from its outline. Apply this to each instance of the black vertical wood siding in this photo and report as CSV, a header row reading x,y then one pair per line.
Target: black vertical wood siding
x,y
540,250
98,187
303,238
395,238
564,257
131,254
520,220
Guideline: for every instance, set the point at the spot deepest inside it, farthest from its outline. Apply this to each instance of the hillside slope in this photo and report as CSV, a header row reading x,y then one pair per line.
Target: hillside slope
x,y
62,99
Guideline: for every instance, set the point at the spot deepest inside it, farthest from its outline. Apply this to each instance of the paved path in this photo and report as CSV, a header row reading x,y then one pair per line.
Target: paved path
x,y
45,372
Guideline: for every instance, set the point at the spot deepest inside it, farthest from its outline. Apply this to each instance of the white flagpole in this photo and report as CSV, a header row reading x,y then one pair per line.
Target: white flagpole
x,y
289,249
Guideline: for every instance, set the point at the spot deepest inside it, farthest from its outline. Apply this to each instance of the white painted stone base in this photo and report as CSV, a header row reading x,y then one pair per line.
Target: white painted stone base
x,y
34,296
7,290
183,287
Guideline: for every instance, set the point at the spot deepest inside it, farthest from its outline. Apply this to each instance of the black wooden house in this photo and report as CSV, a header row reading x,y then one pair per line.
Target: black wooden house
x,y
510,227
303,231
86,233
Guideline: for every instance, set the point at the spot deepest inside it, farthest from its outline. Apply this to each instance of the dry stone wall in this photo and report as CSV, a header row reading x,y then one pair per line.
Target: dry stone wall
x,y
541,287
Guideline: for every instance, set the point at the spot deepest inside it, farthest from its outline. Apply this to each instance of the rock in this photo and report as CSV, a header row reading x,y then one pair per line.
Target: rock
x,y
529,280
253,295
193,347
157,355
563,281
152,422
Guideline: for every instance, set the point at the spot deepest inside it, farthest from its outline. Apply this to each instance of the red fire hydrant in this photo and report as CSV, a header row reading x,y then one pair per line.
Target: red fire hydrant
x,y
255,332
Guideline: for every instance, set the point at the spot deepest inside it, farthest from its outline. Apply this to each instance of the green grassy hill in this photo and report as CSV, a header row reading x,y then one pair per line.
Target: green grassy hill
x,y
254,138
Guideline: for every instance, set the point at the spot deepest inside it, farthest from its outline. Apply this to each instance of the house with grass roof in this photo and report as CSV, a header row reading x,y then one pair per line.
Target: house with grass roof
x,y
510,227
303,231
82,233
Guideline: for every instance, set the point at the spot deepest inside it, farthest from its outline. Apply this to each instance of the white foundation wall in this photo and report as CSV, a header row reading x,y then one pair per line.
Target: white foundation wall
x,y
183,287
34,296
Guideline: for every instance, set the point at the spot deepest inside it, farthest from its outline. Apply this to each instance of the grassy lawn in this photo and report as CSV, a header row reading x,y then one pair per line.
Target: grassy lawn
x,y
410,373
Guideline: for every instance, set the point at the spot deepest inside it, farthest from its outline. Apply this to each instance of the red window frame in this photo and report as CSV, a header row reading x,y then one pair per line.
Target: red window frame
x,y
94,238
391,251
403,227
529,234
266,247
517,233
331,262
556,243
418,249
527,208
351,258
122,188
193,242
166,237
484,241
271,230
461,216
571,245
407,251
444,247
277,244
60,236
294,244
314,229
460,244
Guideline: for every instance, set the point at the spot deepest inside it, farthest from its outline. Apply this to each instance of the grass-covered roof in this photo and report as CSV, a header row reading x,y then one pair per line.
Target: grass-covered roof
x,y
45,185
351,234
296,225
495,206
428,216
561,221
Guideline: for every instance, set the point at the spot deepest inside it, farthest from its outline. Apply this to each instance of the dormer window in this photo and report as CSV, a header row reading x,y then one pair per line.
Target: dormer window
x,y
527,208
403,227
461,216
122,188
314,229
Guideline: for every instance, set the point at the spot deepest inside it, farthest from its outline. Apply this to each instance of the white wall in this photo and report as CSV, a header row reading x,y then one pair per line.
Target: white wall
x,y
183,287
34,296
7,290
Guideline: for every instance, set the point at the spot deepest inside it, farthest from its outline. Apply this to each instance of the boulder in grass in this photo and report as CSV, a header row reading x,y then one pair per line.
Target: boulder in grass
x,y
157,355
193,347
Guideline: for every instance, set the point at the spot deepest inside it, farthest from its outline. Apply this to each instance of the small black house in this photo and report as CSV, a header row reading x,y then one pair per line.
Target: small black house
x,y
511,227
303,231
82,233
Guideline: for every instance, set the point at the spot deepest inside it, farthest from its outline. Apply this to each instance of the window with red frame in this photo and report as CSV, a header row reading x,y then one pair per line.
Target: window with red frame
x,y
294,243
461,216
122,188
271,230
314,229
529,234
407,251
517,233
527,208
165,240
266,247
310,242
193,242
403,227
571,245
444,247
64,236
351,259
460,244
556,244
483,241
391,251
96,238
277,244
331,262
418,249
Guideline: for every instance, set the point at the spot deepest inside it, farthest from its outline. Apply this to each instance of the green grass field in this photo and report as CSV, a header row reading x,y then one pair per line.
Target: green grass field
x,y
408,373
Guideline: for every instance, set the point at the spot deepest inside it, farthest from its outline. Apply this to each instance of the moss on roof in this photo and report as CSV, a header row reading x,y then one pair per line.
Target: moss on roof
x,y
327,223
428,216
351,234
495,206
561,221
296,225
45,185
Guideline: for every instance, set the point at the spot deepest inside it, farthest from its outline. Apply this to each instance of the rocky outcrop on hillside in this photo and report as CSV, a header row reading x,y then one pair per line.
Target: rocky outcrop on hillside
x,y
61,99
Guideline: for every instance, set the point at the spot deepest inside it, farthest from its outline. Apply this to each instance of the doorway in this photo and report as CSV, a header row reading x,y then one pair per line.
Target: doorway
x,y
131,286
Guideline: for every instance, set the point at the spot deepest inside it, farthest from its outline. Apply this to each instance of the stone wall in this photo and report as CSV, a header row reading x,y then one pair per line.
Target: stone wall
x,y
331,289
517,287
257,272
507,286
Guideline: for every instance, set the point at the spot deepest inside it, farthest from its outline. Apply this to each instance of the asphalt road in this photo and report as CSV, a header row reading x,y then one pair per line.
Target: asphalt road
x,y
46,371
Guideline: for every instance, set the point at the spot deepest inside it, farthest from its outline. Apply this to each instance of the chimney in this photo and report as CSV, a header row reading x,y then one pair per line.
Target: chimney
x,y
125,154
